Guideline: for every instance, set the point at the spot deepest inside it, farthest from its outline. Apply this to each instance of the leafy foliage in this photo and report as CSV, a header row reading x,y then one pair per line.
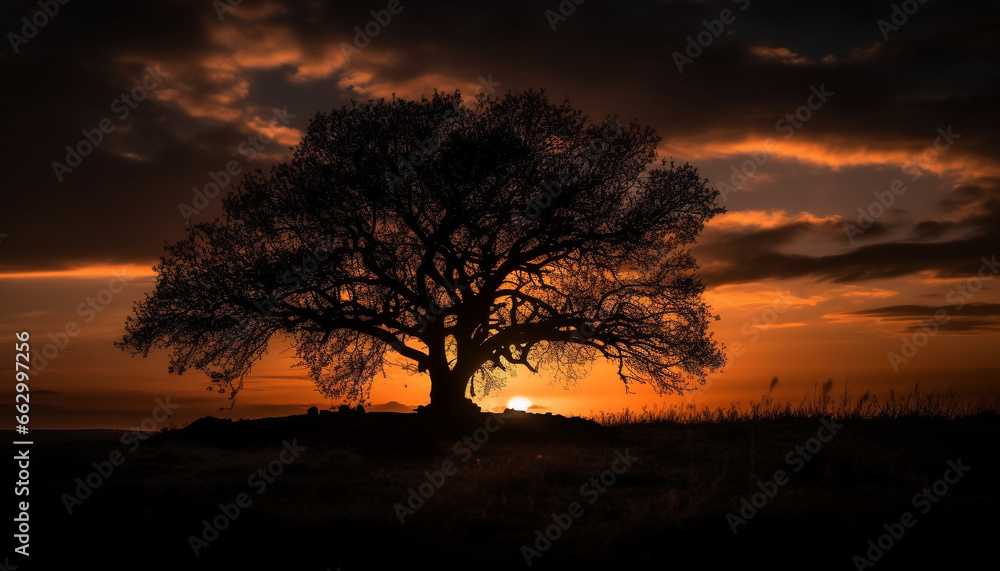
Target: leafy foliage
x,y
457,241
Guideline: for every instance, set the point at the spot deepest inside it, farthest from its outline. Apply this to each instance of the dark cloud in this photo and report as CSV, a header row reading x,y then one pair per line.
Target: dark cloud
x,y
976,317
920,311
881,261
121,203
747,254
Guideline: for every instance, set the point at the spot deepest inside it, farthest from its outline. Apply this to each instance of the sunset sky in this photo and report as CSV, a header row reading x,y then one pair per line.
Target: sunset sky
x,y
812,277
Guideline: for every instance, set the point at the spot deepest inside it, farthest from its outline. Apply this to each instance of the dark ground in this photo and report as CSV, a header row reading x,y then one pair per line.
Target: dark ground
x,y
333,506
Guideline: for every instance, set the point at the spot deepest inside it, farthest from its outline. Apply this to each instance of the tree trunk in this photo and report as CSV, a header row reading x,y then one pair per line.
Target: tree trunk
x,y
448,400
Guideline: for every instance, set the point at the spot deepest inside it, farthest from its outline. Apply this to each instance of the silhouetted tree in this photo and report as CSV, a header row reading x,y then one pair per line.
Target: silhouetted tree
x,y
452,240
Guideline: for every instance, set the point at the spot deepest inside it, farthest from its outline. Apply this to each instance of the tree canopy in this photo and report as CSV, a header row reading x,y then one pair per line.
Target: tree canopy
x,y
458,241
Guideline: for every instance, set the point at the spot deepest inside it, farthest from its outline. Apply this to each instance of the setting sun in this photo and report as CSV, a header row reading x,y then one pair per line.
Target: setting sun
x,y
518,403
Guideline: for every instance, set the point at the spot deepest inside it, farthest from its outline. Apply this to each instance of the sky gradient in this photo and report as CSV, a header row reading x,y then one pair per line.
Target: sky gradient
x,y
858,160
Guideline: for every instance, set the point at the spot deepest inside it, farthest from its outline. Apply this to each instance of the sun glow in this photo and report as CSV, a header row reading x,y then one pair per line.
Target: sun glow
x,y
518,403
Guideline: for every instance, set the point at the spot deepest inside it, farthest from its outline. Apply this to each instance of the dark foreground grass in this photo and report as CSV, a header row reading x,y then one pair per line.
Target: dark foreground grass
x,y
333,507
819,402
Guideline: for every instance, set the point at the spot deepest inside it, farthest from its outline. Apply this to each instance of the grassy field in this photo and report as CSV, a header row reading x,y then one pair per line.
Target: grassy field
x,y
336,496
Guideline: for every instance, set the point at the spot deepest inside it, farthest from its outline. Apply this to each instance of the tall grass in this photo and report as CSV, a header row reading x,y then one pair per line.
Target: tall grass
x,y
818,402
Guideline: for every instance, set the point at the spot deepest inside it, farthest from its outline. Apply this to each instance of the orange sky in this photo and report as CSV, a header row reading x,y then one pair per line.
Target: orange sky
x,y
792,329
